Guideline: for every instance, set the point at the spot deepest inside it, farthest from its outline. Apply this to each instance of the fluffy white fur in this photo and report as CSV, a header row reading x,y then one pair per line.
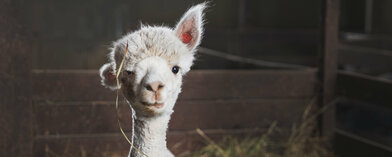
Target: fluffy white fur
x,y
152,54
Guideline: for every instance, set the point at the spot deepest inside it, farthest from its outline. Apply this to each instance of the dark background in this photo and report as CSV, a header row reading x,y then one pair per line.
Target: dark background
x,y
51,50
76,34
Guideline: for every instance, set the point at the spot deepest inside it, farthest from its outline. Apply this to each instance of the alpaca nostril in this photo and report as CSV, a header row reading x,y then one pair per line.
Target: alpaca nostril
x,y
155,86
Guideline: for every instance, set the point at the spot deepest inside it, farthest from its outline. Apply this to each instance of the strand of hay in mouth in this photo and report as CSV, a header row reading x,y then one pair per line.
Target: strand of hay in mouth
x,y
117,110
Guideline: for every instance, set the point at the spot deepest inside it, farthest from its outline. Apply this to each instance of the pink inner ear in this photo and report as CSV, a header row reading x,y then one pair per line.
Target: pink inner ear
x,y
186,37
110,75
187,32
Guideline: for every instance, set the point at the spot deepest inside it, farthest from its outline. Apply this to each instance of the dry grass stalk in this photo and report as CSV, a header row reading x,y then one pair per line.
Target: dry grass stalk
x,y
302,142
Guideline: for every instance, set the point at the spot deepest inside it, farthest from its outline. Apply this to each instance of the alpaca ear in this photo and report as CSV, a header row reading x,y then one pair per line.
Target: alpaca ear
x,y
190,28
108,76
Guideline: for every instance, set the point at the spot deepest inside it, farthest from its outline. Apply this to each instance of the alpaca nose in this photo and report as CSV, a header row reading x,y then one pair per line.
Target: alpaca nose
x,y
154,86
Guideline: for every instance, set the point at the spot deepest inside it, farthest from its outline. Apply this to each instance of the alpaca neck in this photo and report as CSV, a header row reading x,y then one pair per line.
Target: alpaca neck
x,y
150,136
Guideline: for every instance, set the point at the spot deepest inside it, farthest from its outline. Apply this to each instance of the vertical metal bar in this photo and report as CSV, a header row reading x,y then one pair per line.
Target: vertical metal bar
x,y
328,63
241,15
368,16
236,43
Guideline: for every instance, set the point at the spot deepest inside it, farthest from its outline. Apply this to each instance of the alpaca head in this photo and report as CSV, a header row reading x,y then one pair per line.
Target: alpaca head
x,y
157,58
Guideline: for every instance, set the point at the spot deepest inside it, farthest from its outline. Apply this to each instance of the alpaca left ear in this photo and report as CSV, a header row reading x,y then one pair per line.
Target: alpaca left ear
x,y
108,76
190,28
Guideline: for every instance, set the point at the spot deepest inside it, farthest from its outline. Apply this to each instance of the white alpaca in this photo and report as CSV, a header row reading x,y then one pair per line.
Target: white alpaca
x,y
152,73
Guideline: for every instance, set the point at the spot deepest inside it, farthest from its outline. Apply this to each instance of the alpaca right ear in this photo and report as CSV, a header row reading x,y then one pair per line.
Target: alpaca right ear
x,y
108,76
190,28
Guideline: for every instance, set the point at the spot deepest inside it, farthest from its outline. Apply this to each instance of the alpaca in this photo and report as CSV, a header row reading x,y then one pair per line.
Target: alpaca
x,y
151,76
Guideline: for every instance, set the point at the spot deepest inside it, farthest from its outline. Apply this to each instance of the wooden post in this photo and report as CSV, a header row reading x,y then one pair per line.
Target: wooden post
x,y
15,101
328,63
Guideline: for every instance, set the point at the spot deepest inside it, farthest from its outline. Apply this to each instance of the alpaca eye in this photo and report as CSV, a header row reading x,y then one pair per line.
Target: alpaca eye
x,y
129,72
175,69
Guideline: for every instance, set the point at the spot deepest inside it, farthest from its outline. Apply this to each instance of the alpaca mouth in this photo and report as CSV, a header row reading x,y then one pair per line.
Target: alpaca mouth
x,y
157,105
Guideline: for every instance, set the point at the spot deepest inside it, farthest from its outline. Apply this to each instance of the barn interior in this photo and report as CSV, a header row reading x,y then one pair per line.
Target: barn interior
x,y
260,62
